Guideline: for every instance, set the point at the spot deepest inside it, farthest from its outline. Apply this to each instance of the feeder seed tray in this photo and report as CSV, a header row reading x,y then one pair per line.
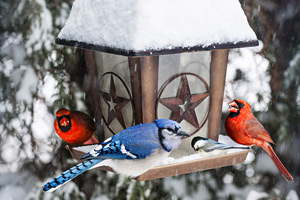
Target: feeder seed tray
x,y
179,168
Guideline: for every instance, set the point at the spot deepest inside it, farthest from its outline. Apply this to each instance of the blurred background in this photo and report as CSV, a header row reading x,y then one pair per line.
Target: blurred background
x,y
37,77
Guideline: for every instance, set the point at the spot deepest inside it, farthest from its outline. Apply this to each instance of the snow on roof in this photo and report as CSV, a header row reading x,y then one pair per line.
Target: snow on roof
x,y
139,25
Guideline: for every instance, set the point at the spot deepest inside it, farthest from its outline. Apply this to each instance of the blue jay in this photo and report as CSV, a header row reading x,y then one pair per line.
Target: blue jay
x,y
131,152
207,147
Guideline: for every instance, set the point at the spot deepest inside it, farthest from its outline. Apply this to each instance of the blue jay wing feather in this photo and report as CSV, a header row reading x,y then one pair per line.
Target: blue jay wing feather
x,y
69,174
133,143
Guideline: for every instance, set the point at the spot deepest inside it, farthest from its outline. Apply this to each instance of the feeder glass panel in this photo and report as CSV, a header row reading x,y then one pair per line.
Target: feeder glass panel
x,y
182,92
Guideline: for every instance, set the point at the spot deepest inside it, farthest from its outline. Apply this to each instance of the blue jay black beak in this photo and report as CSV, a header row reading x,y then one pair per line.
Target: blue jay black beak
x,y
183,134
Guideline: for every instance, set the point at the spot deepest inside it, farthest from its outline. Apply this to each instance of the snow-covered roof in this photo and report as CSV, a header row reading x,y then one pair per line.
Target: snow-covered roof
x,y
151,27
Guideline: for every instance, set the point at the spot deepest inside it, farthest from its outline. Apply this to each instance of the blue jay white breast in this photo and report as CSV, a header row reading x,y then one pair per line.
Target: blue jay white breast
x,y
131,152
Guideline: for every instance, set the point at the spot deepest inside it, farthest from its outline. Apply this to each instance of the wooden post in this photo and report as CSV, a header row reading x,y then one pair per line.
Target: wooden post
x,y
90,58
218,67
144,84
135,77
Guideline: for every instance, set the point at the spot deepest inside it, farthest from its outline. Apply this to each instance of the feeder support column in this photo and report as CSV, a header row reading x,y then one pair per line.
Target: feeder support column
x,y
90,57
218,67
144,84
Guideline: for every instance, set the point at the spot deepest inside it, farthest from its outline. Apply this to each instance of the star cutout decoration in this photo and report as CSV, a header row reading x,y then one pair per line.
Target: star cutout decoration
x,y
114,103
184,104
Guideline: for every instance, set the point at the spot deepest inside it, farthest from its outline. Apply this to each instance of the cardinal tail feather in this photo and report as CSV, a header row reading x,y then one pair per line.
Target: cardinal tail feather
x,y
284,172
69,175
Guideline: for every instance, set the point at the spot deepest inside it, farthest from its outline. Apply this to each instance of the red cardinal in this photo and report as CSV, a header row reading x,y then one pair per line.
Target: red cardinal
x,y
75,127
242,127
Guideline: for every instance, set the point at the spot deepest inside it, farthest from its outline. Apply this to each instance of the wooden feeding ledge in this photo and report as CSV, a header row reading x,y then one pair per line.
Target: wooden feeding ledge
x,y
188,164
159,59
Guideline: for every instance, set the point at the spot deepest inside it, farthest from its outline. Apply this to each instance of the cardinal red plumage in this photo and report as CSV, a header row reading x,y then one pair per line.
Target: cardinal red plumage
x,y
242,127
75,127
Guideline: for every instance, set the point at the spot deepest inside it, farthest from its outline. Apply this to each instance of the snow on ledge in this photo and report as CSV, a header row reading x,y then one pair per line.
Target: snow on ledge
x,y
141,25
171,160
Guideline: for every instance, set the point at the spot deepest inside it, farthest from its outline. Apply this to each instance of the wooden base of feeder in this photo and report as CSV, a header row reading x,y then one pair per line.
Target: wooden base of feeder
x,y
179,168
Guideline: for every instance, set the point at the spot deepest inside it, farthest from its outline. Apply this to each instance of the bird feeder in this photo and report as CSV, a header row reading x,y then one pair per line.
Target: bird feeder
x,y
159,59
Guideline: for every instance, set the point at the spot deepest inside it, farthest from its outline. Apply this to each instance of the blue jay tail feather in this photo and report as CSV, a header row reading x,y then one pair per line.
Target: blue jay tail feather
x,y
69,175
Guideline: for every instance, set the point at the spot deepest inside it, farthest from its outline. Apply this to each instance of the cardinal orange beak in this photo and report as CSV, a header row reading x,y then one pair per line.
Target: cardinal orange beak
x,y
64,121
233,107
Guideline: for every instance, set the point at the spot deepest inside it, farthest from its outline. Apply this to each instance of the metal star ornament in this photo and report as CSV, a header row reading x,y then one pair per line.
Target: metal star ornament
x,y
184,104
114,103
